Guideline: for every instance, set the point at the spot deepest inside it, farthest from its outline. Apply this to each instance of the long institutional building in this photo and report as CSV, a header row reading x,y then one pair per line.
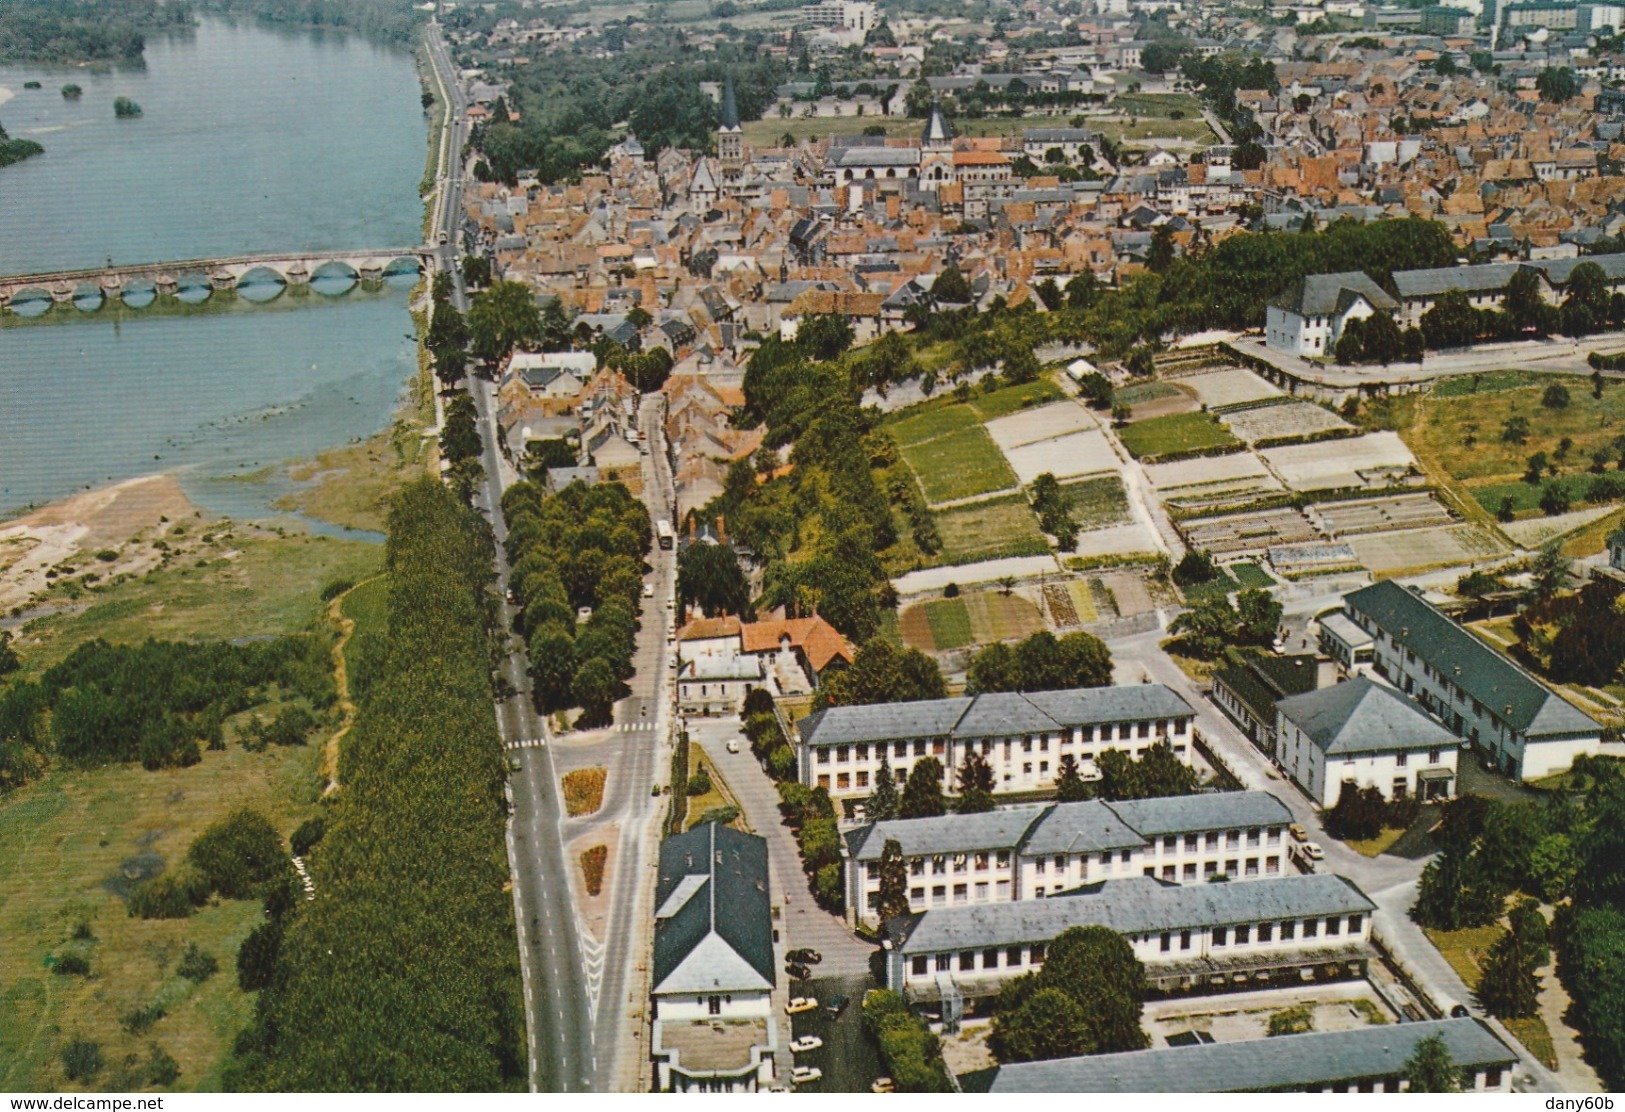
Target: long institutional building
x,y
1030,851
1022,736
1480,696
1362,1060
1190,937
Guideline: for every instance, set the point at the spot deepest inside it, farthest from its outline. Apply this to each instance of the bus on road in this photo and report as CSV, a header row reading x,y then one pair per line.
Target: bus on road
x,y
663,533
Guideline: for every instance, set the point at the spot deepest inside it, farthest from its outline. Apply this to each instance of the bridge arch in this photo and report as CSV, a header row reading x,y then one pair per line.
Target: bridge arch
x,y
334,278
261,283
87,296
31,301
192,287
138,293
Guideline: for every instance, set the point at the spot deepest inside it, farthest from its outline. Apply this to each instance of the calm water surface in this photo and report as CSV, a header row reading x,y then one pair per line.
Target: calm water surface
x,y
253,140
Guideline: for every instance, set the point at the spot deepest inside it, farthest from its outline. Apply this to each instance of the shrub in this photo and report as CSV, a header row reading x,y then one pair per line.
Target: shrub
x,y
138,1021
1296,1020
197,966
724,814
592,868
170,896
700,782
336,587
309,833
256,957
72,964
951,591
161,1069
81,1059
913,1055
238,855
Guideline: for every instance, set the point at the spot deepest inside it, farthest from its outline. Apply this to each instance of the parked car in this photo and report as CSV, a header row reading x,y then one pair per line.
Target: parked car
x,y
883,1085
732,747
805,1075
648,590
1299,834
805,1044
797,972
1312,851
836,1006
801,1004
805,956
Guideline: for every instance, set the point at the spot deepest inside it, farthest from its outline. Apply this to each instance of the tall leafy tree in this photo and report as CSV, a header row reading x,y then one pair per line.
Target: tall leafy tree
x,y
922,794
1094,968
884,673
709,576
504,317
1507,986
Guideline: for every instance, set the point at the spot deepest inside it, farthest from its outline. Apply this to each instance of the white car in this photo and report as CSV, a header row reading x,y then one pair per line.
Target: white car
x,y
648,590
806,1044
732,747
1312,851
805,1075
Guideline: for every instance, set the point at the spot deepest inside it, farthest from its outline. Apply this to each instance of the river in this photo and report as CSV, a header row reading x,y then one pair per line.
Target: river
x,y
252,139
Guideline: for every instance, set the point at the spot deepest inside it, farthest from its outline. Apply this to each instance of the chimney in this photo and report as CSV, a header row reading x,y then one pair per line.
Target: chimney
x,y
722,528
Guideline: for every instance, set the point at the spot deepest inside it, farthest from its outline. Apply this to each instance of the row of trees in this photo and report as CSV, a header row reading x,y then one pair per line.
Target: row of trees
x,y
161,702
85,30
1042,662
405,974
582,548
1212,624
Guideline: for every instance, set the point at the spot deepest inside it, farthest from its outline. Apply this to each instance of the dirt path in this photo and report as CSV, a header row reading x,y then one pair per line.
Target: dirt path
x,y
341,681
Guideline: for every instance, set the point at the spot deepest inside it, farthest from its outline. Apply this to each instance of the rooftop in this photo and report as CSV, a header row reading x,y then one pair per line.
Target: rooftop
x,y
1361,716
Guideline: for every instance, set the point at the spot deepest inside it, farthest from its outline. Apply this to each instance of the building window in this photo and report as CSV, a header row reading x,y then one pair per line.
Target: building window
x,y
916,895
863,779
981,890
1355,922
1002,859
1190,843
1168,872
823,782
1252,866
1166,942
1266,932
939,893
1400,759
944,962
823,754
841,754
1243,935
1184,940
1040,865
1012,955
1170,844
961,893
714,1005
990,958
967,961
1125,856
1289,931
1190,871
843,780
1220,936
1311,928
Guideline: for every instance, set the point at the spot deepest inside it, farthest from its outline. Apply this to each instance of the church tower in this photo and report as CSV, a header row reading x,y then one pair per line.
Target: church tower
x,y
730,139
936,151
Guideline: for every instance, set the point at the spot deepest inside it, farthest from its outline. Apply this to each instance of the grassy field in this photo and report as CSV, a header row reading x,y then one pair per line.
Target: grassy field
x,y
1009,399
990,530
1593,538
999,617
1159,105
1142,392
67,845
1461,432
1526,496
254,584
949,621
1141,131
1097,502
1179,432
959,465
352,485
1375,847
1488,382
1251,575
718,796
1464,949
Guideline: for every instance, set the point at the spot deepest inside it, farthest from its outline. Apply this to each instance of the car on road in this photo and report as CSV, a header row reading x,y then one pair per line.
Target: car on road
x,y
801,1004
1312,851
797,972
836,1006
1299,834
805,1075
805,1044
648,590
732,747
805,956
514,765
883,1085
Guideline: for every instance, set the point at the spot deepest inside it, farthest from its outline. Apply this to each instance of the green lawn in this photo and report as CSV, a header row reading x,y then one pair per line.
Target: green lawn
x,y
950,623
990,530
1461,434
1142,392
1222,584
1097,502
1178,432
1251,575
1012,398
1483,383
1157,104
1526,496
1464,949
959,465
917,425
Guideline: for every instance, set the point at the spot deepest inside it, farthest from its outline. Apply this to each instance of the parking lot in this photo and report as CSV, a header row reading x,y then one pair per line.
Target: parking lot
x,y
849,1058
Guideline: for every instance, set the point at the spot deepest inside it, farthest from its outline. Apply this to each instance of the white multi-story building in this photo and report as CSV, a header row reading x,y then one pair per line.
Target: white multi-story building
x,y
849,15
1365,734
1022,736
1028,852
1189,937
1310,316
713,973
1509,716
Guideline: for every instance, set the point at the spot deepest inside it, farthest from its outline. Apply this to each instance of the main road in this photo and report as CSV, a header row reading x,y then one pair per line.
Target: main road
x,y
581,995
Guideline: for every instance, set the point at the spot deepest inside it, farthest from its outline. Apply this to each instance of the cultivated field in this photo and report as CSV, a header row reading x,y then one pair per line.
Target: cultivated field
x,y
990,530
1116,540
957,465
1226,386
1385,553
1077,453
975,618
1274,422
1179,432
1377,515
916,427
1249,532
1097,502
1356,461
1537,531
1041,423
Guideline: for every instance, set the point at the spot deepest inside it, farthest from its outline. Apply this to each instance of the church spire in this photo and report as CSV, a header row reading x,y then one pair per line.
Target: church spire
x,y
730,107
937,132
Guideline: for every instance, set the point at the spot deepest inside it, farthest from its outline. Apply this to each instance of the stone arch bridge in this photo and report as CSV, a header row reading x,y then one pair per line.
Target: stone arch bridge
x,y
290,269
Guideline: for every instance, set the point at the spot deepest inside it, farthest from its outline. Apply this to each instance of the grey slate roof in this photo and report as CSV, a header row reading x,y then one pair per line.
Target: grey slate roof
x,y
1483,278
1134,905
1361,716
993,715
1084,827
1484,674
936,128
1288,1063
1324,294
714,918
